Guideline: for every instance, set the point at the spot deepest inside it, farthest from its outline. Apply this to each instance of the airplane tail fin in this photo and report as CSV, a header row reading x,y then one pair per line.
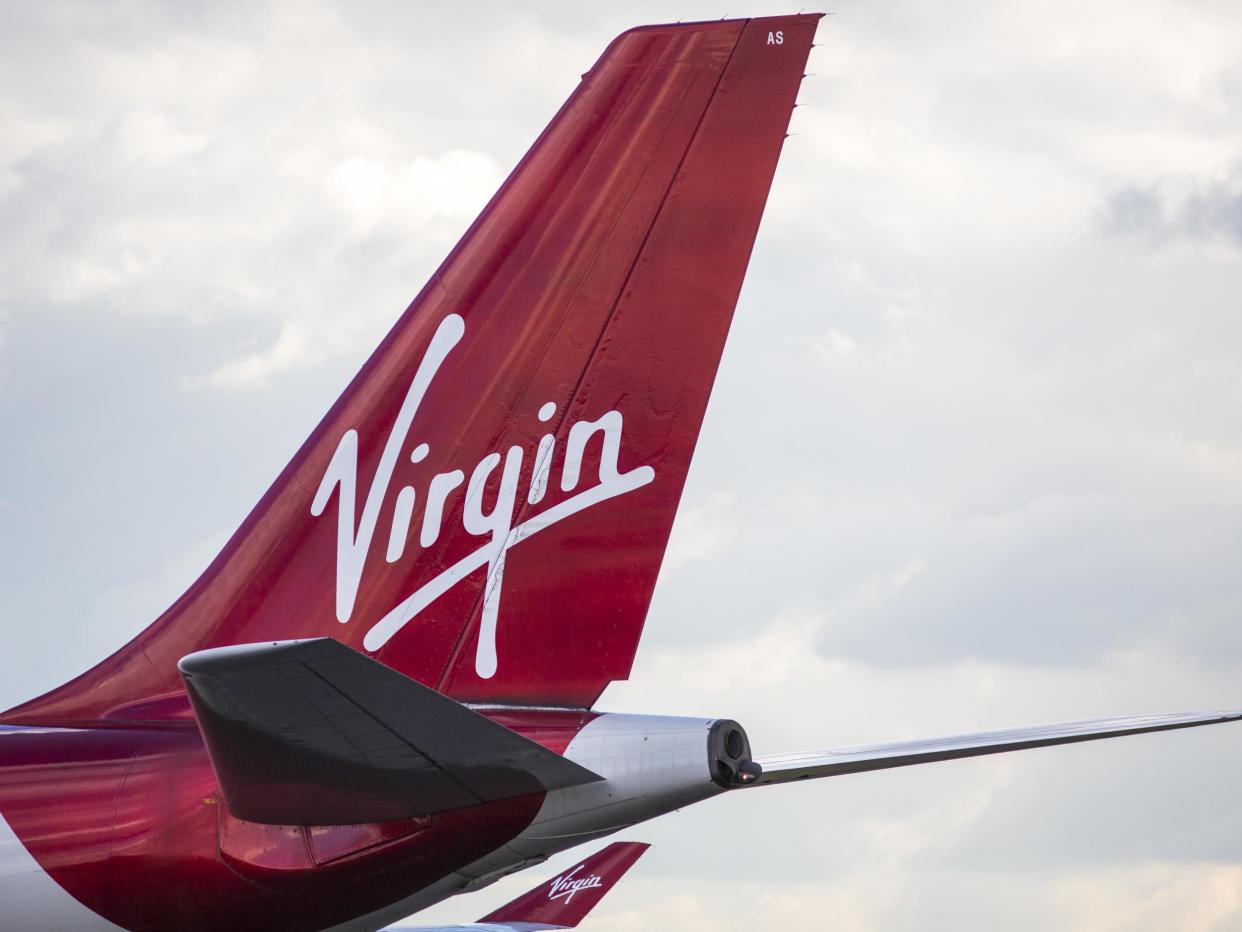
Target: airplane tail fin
x,y
486,507
565,900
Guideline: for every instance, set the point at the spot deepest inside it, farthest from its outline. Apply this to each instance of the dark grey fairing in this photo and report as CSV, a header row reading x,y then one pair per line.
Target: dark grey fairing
x,y
314,733
729,756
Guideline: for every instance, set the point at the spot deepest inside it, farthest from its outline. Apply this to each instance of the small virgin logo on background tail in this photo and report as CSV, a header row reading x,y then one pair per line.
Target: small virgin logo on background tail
x,y
354,536
564,901
568,884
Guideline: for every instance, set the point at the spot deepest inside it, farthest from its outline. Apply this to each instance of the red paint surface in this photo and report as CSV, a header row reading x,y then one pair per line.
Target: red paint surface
x,y
553,729
130,823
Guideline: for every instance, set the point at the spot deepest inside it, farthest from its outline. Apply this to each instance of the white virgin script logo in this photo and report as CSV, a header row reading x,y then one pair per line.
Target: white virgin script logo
x,y
566,886
353,538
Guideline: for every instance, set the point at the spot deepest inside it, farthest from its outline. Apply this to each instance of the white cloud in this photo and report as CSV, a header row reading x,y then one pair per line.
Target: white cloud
x,y
294,347
1195,898
835,345
453,185
702,531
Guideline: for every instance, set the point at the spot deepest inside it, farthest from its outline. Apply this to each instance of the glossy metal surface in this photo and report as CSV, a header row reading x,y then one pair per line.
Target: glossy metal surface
x,y
653,765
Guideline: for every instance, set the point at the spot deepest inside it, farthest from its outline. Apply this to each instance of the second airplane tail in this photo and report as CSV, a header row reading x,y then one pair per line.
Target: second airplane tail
x,y
565,900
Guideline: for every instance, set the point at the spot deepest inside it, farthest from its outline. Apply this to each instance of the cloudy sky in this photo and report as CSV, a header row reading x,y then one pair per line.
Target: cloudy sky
x,y
974,457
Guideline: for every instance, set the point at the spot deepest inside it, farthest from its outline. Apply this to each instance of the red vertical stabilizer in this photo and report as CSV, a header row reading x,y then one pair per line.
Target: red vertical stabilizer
x,y
486,507
564,901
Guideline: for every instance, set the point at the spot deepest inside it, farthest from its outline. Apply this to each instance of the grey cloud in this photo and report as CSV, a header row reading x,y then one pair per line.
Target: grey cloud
x,y
1057,583
1211,211
1134,210
1217,211
1162,810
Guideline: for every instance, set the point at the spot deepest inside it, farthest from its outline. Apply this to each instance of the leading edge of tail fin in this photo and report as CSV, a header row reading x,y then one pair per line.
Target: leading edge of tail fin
x,y
486,506
565,900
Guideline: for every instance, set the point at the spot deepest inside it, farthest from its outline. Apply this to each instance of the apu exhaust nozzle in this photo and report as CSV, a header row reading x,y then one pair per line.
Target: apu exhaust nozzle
x,y
729,757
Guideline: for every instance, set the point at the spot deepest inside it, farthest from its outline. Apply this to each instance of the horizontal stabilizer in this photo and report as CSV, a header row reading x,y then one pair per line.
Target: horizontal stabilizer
x,y
314,733
784,768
